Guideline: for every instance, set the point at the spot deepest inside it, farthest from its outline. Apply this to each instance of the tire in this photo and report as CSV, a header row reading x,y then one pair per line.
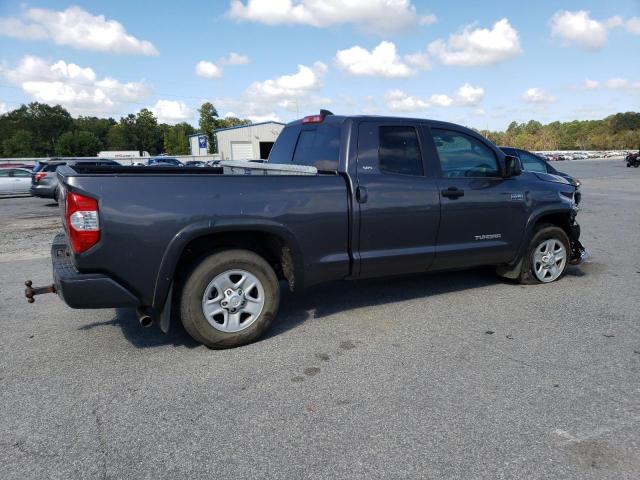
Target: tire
x,y
544,233
226,268
55,195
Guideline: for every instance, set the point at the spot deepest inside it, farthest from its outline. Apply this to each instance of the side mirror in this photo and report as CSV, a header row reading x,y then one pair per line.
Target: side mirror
x,y
513,168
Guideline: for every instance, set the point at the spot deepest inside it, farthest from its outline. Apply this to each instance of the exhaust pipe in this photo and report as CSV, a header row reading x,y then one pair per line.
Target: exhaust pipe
x,y
145,320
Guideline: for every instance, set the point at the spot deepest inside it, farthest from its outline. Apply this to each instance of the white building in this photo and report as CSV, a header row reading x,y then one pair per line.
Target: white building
x,y
247,142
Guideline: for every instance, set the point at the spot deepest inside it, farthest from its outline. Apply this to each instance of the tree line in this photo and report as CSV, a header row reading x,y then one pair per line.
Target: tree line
x,y
615,132
41,130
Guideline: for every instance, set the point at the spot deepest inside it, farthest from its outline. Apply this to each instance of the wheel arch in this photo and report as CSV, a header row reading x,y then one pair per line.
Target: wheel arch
x,y
271,240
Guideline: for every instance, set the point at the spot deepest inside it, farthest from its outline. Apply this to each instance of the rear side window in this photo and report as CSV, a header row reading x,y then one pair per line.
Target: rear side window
x,y
462,155
52,167
317,146
400,151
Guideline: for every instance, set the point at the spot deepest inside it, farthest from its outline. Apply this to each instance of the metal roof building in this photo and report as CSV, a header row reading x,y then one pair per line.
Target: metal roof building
x,y
247,142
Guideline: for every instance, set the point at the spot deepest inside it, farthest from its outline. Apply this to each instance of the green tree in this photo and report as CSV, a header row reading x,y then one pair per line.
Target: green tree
x,y
78,144
208,123
147,133
19,144
176,139
98,126
117,138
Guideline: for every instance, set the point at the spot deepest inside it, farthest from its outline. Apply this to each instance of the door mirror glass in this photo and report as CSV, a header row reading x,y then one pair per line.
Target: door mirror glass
x,y
512,166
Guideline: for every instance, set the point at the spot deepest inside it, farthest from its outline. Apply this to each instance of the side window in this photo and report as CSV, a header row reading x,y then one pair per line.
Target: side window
x,y
318,147
4,173
462,155
399,151
531,163
21,173
52,167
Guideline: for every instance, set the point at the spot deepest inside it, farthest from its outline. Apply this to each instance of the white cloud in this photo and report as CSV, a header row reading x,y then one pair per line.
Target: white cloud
x,y
616,83
478,46
208,70
76,88
419,60
234,59
171,111
537,95
269,99
399,101
440,100
272,116
579,29
633,25
591,84
382,61
469,95
373,15
76,28
3,108
301,83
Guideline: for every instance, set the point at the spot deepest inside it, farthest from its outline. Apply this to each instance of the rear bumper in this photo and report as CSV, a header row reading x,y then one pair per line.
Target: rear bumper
x,y
44,191
85,290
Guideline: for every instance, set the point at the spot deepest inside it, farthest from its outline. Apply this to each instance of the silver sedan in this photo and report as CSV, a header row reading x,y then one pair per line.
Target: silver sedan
x,y
15,181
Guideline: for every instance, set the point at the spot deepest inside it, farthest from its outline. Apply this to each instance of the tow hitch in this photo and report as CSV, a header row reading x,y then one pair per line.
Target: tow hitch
x,y
31,292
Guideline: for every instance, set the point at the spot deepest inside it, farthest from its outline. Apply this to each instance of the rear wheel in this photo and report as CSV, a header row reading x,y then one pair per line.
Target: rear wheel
x,y
547,256
229,299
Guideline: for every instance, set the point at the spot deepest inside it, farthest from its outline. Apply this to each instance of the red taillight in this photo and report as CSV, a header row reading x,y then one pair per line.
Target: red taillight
x,y
39,176
313,119
83,223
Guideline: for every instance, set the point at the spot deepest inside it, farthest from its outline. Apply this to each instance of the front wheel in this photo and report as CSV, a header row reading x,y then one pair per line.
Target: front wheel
x,y
547,256
229,299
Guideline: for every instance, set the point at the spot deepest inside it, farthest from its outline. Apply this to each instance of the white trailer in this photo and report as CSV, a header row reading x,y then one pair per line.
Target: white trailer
x,y
122,154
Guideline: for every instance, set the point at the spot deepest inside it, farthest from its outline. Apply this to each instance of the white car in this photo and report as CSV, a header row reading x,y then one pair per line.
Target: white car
x,y
15,181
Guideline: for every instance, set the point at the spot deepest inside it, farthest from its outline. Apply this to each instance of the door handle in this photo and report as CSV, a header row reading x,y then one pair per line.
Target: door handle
x,y
453,193
361,194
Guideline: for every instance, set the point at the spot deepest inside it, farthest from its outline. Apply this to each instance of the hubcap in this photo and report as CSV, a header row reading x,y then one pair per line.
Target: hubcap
x,y
233,300
549,260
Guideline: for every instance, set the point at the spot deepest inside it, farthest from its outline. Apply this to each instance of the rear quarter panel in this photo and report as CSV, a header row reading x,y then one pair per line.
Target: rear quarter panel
x,y
141,215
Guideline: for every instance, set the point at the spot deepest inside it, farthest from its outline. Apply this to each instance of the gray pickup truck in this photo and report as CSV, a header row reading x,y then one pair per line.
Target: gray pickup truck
x,y
391,196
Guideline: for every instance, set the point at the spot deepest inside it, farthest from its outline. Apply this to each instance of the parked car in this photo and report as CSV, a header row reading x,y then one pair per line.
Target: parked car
x,y
633,159
532,162
391,196
44,180
16,165
164,162
195,163
15,181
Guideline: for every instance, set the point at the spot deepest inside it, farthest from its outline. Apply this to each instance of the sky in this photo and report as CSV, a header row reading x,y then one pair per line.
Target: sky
x,y
480,64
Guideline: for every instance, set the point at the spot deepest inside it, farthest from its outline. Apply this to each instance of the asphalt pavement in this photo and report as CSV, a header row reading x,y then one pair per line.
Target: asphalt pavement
x,y
459,375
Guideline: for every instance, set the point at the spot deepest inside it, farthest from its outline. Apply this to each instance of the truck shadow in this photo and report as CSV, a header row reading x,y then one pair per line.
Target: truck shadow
x,y
322,301
325,300
139,337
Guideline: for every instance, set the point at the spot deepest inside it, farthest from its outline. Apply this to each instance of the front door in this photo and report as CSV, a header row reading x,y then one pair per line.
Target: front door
x,y
483,214
397,198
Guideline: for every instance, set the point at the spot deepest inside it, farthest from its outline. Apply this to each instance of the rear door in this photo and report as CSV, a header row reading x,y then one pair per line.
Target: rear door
x,y
21,181
397,198
6,182
483,214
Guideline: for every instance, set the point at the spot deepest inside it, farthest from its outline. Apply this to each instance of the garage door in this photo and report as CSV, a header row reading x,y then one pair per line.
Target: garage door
x,y
241,151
